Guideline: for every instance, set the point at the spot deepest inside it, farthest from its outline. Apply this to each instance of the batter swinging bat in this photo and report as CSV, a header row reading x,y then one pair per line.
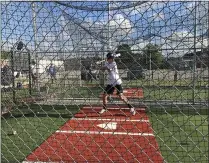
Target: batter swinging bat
x,y
115,55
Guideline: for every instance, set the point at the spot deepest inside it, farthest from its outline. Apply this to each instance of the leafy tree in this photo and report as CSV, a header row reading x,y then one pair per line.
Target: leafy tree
x,y
125,51
152,51
127,57
5,55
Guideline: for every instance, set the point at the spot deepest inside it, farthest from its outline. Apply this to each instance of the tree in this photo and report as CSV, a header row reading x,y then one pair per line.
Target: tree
x,y
152,51
5,55
127,57
124,50
126,53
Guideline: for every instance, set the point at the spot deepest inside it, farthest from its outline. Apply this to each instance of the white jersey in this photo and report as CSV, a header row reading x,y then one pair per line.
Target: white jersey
x,y
113,77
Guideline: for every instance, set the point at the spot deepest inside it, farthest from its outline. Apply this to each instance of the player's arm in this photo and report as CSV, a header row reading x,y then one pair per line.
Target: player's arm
x,y
103,68
111,67
108,67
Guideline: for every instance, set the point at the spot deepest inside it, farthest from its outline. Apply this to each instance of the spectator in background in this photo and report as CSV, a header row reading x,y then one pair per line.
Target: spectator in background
x,y
6,74
52,72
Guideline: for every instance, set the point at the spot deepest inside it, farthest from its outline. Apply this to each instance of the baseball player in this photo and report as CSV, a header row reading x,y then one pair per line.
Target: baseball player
x,y
114,82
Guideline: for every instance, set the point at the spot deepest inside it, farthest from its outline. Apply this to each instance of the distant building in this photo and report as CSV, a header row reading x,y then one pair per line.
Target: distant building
x,y
202,59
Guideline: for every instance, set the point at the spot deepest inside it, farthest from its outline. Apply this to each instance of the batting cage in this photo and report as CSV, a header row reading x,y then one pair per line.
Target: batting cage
x,y
104,81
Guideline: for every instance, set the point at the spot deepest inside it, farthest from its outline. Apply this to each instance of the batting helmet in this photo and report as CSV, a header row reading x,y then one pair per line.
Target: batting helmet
x,y
110,55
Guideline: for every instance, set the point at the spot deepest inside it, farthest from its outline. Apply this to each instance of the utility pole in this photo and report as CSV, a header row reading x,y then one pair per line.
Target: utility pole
x,y
194,55
35,43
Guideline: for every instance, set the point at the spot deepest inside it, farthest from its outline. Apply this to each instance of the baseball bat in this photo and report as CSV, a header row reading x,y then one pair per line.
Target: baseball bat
x,y
115,55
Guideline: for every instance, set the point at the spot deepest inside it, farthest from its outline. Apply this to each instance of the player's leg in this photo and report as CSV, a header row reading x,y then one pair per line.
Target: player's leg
x,y
108,90
110,99
121,95
124,98
51,76
55,77
104,100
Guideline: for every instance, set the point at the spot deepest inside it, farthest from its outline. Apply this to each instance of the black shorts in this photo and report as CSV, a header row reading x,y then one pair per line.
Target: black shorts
x,y
110,89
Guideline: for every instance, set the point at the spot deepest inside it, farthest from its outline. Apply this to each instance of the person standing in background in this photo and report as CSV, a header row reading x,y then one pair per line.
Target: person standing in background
x,y
52,72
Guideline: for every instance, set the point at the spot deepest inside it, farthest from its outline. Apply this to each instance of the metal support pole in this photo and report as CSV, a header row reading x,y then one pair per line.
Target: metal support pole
x,y
30,71
35,42
194,56
208,58
150,56
13,79
80,62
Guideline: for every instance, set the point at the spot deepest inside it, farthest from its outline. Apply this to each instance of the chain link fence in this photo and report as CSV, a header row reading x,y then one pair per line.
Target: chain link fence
x,y
51,85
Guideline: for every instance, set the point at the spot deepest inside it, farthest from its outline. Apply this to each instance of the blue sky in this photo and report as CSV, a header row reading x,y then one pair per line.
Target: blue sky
x,y
167,22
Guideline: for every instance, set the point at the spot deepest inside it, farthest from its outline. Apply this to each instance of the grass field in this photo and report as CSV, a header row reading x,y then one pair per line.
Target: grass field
x,y
94,92
182,133
173,94
180,94
153,90
32,128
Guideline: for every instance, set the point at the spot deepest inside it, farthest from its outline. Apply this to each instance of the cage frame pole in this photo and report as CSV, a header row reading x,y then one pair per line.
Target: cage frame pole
x,y
35,44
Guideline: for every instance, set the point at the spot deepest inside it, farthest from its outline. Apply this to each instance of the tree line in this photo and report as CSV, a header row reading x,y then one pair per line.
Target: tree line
x,y
150,57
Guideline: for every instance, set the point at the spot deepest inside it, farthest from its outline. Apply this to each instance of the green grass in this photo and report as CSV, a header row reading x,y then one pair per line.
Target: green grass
x,y
158,82
182,133
163,82
175,94
32,128
31,132
150,93
153,90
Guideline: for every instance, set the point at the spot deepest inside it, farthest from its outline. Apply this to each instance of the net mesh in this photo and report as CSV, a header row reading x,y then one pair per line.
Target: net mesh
x,y
52,87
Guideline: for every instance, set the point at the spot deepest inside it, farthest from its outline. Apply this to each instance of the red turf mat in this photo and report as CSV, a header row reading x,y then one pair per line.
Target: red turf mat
x,y
97,148
114,137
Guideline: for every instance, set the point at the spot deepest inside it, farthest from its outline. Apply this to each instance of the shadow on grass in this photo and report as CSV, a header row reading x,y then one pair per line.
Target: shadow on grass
x,y
36,115
39,111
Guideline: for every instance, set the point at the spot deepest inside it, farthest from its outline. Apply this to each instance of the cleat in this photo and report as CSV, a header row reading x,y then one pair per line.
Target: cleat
x,y
133,111
103,111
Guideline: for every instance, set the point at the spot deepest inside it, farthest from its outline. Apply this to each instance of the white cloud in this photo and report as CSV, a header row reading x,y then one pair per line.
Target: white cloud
x,y
180,35
191,5
121,23
182,42
138,47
